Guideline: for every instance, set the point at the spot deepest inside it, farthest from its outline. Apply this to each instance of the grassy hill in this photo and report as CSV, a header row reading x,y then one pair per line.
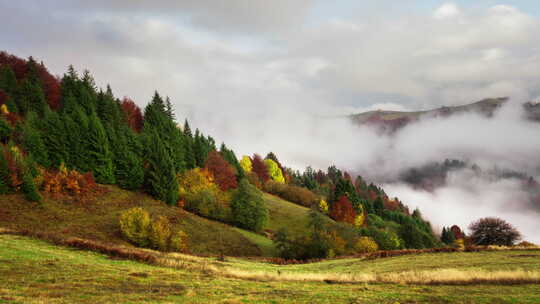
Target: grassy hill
x,y
97,219
32,271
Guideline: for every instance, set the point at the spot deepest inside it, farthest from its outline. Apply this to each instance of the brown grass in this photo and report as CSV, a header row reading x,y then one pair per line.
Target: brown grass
x,y
432,277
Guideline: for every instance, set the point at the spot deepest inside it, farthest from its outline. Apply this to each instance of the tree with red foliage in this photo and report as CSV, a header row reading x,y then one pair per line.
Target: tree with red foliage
x,y
259,167
22,68
133,114
458,234
343,211
223,172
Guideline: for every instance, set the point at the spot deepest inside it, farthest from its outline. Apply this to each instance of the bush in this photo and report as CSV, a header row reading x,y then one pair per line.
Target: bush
x,y
179,242
366,245
135,226
205,202
295,194
160,233
202,196
387,240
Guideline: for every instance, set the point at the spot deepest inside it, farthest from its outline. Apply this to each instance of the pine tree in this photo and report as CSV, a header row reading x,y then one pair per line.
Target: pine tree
x,y
99,155
378,206
32,141
160,177
54,138
128,166
31,98
4,173
28,186
8,82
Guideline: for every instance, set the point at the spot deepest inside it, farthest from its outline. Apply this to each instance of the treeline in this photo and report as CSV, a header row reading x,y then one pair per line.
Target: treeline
x,y
62,135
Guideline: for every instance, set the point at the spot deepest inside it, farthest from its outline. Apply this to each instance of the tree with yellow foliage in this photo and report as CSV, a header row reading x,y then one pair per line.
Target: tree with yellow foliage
x,y
246,164
274,171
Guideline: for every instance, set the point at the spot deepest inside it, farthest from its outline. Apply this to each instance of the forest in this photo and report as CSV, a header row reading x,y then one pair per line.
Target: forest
x,y
65,136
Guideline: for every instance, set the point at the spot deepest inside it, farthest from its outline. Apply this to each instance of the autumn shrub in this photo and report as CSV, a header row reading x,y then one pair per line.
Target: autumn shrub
x,y
292,193
160,233
385,239
253,179
135,225
138,227
366,245
202,196
68,182
179,241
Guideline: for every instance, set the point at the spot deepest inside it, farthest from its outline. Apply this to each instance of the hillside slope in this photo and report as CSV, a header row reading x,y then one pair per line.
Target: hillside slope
x,y
97,219
33,271
391,121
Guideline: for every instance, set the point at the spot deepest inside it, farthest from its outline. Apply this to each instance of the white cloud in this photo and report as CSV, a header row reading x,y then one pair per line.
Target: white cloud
x,y
447,11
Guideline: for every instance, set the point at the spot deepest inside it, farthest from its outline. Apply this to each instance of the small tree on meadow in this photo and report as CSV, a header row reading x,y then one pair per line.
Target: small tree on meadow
x,y
493,231
248,207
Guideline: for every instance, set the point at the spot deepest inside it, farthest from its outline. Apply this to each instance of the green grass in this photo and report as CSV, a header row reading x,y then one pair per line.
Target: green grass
x,y
284,214
32,271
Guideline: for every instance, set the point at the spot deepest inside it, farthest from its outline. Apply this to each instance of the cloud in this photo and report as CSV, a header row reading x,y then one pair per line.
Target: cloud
x,y
447,11
467,198
267,77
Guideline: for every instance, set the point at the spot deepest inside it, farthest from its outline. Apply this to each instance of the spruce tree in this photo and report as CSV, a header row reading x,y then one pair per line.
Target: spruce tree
x,y
128,167
100,157
160,175
32,141
5,180
8,82
29,187
378,206
5,131
55,138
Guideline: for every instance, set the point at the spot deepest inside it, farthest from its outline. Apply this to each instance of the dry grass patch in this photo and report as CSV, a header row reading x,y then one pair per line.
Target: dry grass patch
x,y
433,277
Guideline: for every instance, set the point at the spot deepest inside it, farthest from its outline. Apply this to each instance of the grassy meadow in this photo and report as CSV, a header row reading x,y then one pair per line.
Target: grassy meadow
x,y
33,271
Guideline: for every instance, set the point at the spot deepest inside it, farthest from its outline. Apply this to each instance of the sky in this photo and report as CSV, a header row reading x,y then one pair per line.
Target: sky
x,y
275,76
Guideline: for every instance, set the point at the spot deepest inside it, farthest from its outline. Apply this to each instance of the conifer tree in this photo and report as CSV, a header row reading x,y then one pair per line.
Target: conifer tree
x,y
378,206
4,173
31,98
99,154
32,141
29,188
8,82
54,138
230,157
78,139
5,131
129,171
160,175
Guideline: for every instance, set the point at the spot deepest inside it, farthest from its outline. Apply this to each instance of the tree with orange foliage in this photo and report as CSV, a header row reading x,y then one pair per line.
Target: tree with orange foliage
x,y
343,211
222,171
259,167
133,114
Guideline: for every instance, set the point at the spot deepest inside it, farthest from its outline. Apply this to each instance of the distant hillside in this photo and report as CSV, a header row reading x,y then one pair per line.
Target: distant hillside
x,y
391,121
